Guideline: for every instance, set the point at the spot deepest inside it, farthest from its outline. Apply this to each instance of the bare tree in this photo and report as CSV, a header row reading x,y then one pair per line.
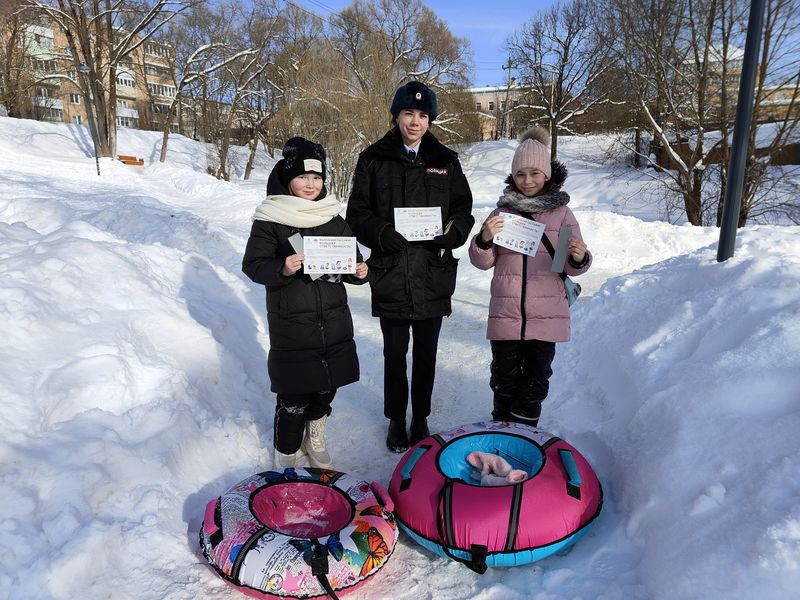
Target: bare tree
x,y
258,29
769,192
100,34
559,57
379,46
204,44
683,61
17,75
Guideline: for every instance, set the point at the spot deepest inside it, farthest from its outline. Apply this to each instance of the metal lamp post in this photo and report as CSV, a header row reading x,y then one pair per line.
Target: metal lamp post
x,y
741,130
84,70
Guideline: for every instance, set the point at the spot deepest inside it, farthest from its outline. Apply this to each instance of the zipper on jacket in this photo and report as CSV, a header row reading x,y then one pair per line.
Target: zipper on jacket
x,y
524,287
320,324
523,291
321,328
407,250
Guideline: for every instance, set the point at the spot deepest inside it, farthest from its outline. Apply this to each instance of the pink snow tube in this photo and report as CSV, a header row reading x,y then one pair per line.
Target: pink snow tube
x,y
440,505
302,533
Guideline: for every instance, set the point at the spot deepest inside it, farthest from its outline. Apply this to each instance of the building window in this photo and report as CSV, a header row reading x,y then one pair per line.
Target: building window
x,y
491,105
46,66
127,122
74,98
77,119
54,115
515,103
157,70
43,41
126,81
156,89
478,106
503,105
156,50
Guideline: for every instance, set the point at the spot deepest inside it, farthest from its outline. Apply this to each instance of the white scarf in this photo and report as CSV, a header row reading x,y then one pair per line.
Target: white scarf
x,y
297,212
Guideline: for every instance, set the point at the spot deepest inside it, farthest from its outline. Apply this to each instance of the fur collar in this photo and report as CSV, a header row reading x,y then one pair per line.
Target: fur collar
x,y
549,198
390,147
537,204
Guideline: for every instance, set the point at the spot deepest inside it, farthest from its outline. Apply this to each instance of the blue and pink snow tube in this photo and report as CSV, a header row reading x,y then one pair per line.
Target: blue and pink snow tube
x,y
443,508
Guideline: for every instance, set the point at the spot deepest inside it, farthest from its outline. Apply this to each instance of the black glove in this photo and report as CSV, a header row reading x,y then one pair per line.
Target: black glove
x,y
391,241
447,241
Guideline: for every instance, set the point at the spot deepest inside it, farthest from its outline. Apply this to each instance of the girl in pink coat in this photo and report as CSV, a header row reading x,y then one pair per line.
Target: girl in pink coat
x,y
528,310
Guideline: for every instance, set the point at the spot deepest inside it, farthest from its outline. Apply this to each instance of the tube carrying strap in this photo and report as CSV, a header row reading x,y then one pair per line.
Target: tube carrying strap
x,y
319,568
444,525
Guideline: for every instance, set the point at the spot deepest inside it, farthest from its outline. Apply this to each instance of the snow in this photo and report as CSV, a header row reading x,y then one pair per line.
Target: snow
x,y
133,385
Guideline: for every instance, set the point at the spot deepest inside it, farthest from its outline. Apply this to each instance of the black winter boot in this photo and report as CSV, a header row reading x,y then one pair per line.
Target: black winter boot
x,y
419,430
527,413
397,438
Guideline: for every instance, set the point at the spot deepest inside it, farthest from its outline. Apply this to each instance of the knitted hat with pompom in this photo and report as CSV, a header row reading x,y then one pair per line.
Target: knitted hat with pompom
x,y
533,152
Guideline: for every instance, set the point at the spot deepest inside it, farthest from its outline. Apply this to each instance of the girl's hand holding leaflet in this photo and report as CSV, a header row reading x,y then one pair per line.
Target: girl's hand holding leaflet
x,y
491,228
292,264
361,270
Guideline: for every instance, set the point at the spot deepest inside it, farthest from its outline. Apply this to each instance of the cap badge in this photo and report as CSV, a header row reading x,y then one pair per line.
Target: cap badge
x,y
418,95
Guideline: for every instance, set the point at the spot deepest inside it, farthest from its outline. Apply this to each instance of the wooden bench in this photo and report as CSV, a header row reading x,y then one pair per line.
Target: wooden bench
x,y
130,160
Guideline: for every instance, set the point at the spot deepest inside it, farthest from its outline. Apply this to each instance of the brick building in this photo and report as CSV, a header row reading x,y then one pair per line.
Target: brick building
x,y
145,81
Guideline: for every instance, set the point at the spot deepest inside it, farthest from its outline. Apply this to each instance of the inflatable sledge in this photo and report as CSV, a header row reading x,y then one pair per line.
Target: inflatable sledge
x,y
300,533
439,503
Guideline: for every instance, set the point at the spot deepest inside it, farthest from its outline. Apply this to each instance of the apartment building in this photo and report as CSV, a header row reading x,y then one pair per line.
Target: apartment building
x,y
145,82
780,102
495,107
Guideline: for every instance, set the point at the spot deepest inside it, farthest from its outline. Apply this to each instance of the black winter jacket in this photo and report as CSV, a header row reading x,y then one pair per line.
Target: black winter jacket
x,y
417,282
310,327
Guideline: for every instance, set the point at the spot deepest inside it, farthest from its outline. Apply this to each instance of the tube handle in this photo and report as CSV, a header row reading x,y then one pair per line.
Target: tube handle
x,y
574,482
382,496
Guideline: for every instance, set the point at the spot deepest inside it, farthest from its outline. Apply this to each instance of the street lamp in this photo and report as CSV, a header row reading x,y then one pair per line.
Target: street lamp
x,y
84,70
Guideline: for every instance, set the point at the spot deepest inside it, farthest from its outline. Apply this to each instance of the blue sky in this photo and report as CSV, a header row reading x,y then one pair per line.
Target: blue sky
x,y
486,24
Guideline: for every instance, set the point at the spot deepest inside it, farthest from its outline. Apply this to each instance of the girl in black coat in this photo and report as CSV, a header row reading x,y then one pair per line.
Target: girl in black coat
x,y
312,352
411,282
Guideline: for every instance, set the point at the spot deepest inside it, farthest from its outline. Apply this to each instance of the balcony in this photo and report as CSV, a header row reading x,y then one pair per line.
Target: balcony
x,y
124,111
46,102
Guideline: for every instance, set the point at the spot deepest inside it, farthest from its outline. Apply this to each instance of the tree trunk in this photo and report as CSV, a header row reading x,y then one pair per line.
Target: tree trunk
x,y
248,169
692,196
162,157
167,126
225,143
723,185
554,145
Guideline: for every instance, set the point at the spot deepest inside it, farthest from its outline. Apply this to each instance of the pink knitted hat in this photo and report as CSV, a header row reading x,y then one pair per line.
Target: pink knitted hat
x,y
533,152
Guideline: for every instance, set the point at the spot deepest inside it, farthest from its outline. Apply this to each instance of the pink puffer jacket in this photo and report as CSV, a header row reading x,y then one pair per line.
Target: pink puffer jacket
x,y
546,313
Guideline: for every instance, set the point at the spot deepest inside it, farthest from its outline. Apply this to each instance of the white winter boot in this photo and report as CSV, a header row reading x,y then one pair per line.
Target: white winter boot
x,y
314,444
285,461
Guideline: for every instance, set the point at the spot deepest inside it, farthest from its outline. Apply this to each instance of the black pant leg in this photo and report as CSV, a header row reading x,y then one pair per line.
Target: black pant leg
x,y
396,335
290,421
505,376
423,365
536,371
320,405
